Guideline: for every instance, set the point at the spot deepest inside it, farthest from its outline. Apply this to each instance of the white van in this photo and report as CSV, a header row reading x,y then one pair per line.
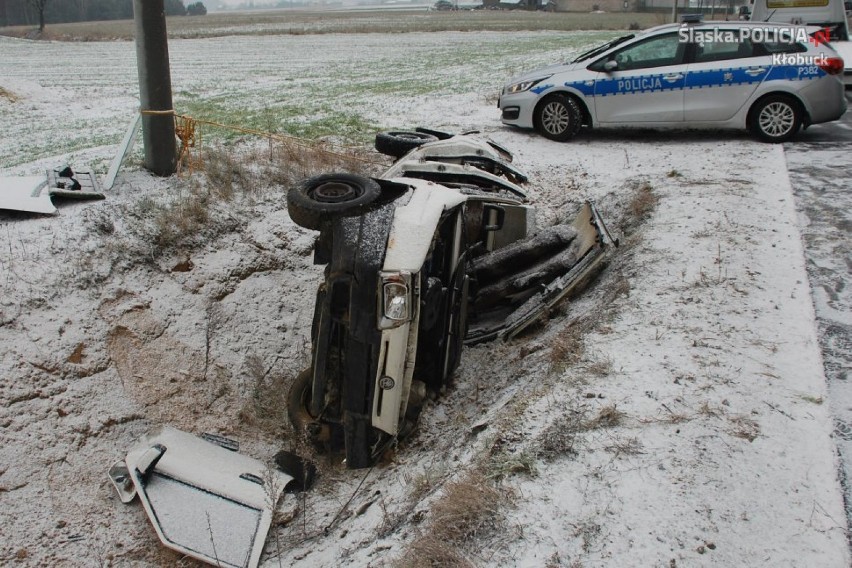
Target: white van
x,y
828,14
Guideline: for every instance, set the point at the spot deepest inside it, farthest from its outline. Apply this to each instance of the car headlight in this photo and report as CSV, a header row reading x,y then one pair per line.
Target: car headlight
x,y
523,86
396,302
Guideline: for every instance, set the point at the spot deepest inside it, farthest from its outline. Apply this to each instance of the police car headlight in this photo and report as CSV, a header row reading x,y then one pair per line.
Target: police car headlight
x,y
396,303
523,86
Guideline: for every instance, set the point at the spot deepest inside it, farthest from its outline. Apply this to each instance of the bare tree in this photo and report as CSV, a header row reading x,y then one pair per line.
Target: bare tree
x,y
39,6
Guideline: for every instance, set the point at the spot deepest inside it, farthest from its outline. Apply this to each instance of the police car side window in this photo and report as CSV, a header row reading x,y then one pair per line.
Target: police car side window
x,y
771,47
723,49
654,52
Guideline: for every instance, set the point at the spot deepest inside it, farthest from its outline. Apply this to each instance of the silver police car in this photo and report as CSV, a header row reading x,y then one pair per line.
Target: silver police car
x,y
769,78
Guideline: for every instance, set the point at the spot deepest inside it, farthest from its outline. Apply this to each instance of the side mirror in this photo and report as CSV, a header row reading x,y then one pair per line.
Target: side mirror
x,y
494,217
610,66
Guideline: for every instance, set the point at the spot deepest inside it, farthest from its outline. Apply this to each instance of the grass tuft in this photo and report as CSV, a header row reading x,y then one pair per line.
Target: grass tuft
x,y
9,95
560,437
469,509
608,417
643,202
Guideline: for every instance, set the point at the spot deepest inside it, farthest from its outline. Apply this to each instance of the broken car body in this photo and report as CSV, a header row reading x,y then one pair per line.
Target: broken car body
x,y
439,251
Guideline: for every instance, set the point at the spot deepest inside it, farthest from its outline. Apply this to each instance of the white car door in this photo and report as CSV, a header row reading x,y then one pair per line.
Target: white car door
x,y
724,72
641,83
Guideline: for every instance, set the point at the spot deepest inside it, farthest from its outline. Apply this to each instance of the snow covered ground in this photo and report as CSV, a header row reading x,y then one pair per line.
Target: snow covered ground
x,y
687,425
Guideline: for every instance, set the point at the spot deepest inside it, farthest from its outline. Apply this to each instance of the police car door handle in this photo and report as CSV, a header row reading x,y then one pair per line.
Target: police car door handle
x,y
673,77
755,71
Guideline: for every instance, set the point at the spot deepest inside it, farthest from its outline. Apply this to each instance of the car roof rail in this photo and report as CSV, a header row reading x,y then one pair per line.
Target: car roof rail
x,y
691,18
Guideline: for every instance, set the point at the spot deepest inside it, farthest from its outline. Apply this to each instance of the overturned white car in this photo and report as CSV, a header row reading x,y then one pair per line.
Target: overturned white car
x,y
438,251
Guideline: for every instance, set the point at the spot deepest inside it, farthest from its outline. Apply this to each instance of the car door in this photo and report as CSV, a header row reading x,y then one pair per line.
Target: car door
x,y
724,73
641,83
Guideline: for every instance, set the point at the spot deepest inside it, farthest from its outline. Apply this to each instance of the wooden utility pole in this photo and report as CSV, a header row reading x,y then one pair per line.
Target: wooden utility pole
x,y
155,86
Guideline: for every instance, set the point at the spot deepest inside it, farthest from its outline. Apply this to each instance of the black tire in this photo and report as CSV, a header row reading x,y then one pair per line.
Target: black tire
x,y
302,471
398,144
558,117
439,134
776,118
325,197
298,401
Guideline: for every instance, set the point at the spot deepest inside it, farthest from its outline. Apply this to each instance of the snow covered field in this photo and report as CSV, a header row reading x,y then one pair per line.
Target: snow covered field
x,y
686,426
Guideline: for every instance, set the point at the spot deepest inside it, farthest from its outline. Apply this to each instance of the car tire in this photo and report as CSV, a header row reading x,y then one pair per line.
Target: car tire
x,y
328,196
776,118
299,400
398,144
558,117
439,134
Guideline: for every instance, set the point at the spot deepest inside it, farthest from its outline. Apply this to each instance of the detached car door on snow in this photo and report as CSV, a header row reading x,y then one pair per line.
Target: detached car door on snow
x,y
642,82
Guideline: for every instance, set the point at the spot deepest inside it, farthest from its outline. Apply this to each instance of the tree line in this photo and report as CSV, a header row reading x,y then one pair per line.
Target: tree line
x,y
41,12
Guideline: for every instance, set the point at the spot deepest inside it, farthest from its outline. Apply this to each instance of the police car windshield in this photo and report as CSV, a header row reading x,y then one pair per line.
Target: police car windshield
x,y
601,48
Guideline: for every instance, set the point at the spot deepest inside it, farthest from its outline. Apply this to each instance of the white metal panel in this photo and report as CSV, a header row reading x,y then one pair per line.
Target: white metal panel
x,y
205,501
25,194
419,216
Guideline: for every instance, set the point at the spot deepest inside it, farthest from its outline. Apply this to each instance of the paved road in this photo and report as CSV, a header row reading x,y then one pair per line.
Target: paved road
x,y
820,166
840,131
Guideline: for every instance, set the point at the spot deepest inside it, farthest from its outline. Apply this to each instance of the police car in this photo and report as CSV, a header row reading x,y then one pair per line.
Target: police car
x,y
771,79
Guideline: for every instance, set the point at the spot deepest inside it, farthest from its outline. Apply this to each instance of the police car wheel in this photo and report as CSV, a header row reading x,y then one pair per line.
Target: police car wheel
x,y
558,117
775,119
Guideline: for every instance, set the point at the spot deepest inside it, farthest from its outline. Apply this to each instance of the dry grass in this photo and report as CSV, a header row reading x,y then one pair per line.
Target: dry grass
x,y
229,172
470,509
504,463
183,221
287,163
560,437
431,552
629,447
9,95
600,368
266,407
567,348
424,482
745,428
217,197
608,417
642,203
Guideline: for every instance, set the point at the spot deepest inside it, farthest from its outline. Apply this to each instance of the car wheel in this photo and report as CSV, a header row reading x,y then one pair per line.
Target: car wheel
x,y
439,134
398,144
776,118
558,117
299,402
327,196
